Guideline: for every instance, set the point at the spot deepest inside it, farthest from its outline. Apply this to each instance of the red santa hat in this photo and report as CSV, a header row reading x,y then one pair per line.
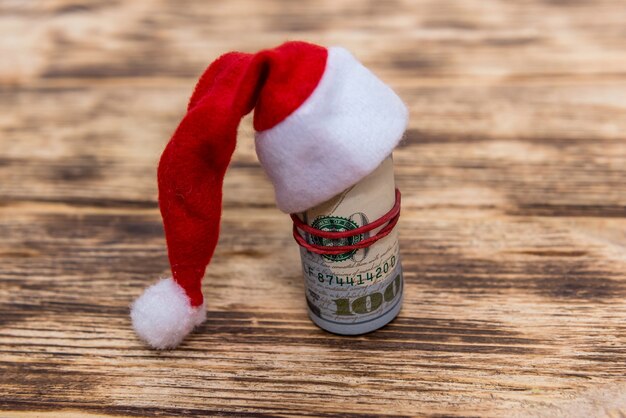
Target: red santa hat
x,y
323,122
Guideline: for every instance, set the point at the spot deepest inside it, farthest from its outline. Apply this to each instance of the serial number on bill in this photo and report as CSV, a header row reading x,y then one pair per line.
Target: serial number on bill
x,y
355,280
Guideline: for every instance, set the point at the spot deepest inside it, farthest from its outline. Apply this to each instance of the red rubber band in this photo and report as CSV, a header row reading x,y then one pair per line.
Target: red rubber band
x,y
390,218
394,211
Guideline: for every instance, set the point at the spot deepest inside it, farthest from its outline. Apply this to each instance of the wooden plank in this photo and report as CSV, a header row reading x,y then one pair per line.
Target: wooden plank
x,y
513,231
499,39
508,144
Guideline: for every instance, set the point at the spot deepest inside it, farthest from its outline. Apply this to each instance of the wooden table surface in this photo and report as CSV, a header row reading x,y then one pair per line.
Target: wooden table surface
x,y
513,232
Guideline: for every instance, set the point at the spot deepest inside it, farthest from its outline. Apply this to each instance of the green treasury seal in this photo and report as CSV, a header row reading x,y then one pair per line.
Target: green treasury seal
x,y
335,224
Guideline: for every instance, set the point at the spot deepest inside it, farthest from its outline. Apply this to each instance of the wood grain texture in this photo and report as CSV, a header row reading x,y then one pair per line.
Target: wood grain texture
x,y
513,233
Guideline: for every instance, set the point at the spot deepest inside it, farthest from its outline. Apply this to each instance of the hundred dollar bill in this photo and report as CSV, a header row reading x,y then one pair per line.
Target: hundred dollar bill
x,y
361,290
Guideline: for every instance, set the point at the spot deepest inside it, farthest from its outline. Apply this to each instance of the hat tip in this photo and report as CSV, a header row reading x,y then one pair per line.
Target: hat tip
x,y
163,316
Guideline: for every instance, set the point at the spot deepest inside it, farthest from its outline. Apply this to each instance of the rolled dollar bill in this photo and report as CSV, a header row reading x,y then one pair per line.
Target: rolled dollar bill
x,y
360,290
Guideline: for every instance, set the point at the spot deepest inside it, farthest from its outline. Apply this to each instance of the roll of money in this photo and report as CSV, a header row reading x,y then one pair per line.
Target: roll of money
x,y
360,290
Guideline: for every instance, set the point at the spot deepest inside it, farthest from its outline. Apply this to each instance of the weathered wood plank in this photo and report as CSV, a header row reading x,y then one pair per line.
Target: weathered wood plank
x,y
498,139
498,39
513,231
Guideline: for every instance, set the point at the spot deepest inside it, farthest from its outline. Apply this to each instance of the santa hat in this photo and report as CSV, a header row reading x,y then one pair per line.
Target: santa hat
x,y
323,122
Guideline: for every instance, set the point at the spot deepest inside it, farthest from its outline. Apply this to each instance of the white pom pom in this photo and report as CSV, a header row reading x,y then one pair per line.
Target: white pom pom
x,y
163,316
